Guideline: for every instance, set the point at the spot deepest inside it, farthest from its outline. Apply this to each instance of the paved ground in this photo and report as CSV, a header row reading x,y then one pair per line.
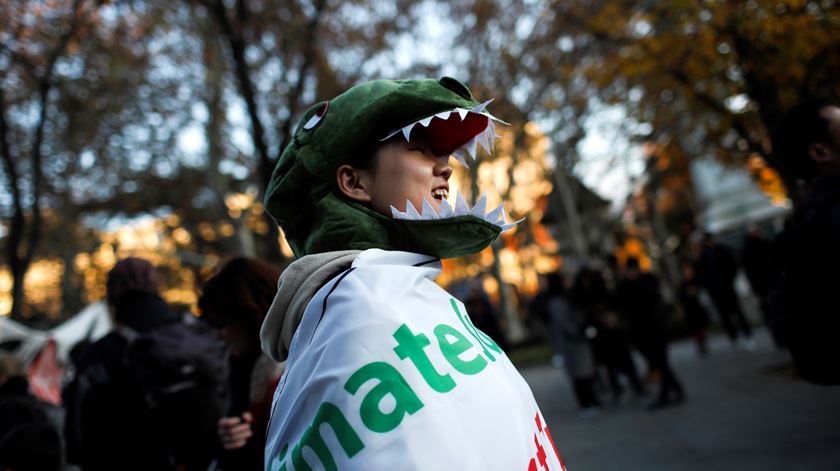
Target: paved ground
x,y
745,411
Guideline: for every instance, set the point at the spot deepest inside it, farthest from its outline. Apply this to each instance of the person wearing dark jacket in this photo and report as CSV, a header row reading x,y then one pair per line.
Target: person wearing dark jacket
x,y
609,341
696,317
235,301
716,271
639,300
29,439
807,140
758,261
109,424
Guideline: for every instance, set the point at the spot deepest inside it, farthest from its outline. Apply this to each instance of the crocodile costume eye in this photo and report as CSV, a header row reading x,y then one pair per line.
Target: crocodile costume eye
x,y
317,117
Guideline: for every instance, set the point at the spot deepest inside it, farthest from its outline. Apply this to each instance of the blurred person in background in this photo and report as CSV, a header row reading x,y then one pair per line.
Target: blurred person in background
x,y
696,316
716,270
568,333
609,341
235,301
640,302
483,314
807,140
147,395
759,266
29,435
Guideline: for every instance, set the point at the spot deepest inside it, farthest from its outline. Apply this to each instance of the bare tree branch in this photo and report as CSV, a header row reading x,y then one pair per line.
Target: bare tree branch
x,y
295,97
44,86
236,42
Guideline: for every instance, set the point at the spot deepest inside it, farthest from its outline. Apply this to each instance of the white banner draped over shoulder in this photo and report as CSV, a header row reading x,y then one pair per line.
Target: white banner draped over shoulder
x,y
386,371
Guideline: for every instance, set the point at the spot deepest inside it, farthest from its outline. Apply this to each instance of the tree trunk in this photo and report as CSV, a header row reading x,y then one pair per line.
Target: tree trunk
x,y
18,274
19,255
71,292
572,218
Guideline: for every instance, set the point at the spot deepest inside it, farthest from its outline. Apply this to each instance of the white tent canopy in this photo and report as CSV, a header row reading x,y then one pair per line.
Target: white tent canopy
x,y
91,323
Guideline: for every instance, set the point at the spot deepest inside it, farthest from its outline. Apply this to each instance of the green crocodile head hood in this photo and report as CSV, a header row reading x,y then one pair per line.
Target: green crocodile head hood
x,y
302,196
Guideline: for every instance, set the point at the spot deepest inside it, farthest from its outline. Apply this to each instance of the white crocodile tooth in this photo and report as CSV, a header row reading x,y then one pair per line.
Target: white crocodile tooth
x,y
411,212
396,213
407,131
459,156
461,208
470,148
502,219
394,133
444,115
478,209
425,121
507,227
479,108
462,113
428,211
493,216
445,210
494,118
483,141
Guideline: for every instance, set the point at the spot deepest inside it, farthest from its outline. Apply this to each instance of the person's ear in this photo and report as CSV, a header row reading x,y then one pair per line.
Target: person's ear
x,y
821,153
354,183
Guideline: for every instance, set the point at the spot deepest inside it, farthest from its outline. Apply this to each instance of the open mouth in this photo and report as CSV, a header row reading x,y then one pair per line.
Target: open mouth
x,y
440,193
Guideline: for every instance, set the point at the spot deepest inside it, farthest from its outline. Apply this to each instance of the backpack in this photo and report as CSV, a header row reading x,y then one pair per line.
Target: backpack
x,y
180,372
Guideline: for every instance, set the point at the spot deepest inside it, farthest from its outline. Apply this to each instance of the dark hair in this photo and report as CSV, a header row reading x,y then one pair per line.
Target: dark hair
x,y
800,127
131,275
27,438
240,292
365,159
556,283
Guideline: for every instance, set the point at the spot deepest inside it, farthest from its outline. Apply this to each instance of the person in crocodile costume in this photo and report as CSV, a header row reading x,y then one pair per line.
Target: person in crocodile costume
x,y
384,369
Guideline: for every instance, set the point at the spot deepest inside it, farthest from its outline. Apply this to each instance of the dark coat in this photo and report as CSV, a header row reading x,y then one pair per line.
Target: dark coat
x,y
806,294
640,304
756,257
108,425
696,316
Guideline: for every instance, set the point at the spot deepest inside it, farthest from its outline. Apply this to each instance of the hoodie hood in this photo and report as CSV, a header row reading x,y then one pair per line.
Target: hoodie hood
x,y
298,284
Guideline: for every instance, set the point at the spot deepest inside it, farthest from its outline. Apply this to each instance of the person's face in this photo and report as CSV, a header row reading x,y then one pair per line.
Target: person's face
x,y
832,114
404,171
237,339
827,154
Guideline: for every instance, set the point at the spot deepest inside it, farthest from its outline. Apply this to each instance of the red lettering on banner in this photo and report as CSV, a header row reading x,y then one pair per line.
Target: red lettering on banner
x,y
542,458
541,453
553,446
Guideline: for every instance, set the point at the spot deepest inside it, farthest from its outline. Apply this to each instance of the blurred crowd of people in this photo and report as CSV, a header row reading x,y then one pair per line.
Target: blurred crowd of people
x,y
163,391
595,320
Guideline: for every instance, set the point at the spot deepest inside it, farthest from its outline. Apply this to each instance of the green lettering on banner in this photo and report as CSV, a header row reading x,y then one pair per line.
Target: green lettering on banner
x,y
481,337
411,346
348,439
452,350
281,459
391,383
